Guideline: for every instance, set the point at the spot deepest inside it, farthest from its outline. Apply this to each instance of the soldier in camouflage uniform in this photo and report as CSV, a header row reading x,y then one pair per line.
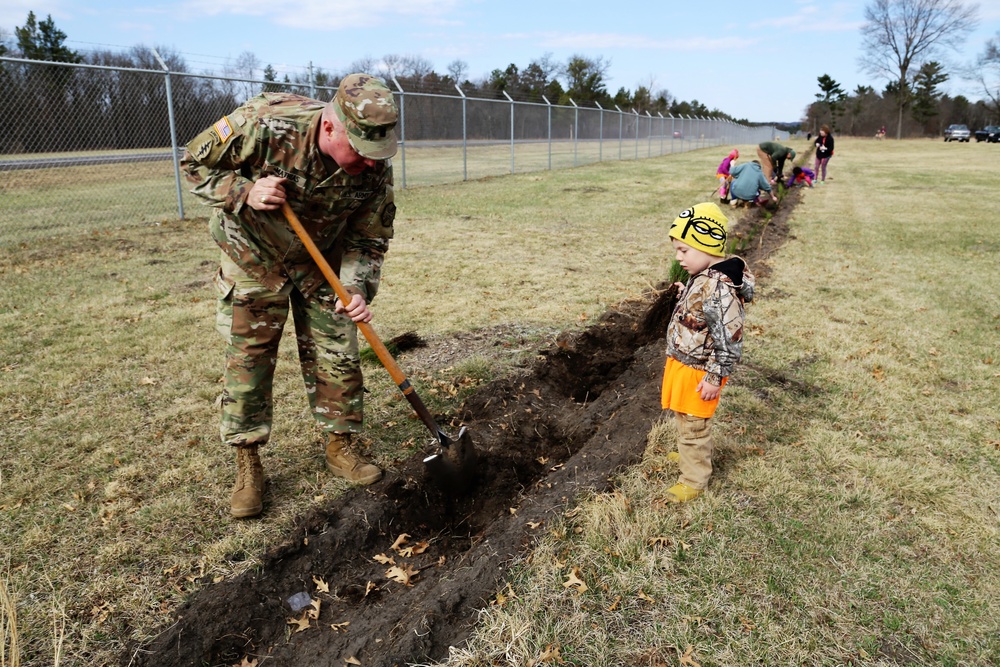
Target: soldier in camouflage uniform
x,y
330,162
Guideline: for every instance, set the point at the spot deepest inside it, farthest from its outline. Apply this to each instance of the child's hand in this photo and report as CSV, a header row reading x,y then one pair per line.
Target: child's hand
x,y
680,288
708,391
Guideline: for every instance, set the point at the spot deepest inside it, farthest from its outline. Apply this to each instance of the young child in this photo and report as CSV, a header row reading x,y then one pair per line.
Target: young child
x,y
722,173
801,177
704,339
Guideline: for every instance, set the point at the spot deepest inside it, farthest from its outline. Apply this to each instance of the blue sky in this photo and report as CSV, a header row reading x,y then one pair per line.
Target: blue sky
x,y
754,60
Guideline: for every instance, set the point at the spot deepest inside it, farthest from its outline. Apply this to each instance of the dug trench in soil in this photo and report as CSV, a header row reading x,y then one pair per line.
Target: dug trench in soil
x,y
578,415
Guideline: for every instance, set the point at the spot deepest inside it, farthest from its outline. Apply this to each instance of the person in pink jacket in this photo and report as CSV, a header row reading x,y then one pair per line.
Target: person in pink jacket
x,y
722,173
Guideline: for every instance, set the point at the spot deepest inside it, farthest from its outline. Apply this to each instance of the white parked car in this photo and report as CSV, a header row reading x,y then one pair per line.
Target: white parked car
x,y
956,133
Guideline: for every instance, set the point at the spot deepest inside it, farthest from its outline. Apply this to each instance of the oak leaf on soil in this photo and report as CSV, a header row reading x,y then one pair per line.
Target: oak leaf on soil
x,y
300,624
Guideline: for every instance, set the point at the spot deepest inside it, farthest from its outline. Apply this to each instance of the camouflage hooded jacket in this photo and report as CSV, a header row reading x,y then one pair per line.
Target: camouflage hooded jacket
x,y
706,329
348,217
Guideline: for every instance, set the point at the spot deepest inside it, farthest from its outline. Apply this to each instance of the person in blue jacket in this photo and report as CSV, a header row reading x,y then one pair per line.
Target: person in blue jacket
x,y
749,184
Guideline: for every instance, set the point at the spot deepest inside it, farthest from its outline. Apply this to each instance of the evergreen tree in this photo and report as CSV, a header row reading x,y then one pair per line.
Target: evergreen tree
x,y
925,93
44,41
831,95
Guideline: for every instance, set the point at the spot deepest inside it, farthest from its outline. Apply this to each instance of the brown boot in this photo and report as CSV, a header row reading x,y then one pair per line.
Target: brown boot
x,y
246,499
341,461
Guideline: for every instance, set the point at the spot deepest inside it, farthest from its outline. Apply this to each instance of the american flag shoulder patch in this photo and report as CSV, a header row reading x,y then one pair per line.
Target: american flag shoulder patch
x,y
223,129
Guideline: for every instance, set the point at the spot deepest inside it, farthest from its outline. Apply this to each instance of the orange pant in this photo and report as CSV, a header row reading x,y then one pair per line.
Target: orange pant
x,y
693,418
678,392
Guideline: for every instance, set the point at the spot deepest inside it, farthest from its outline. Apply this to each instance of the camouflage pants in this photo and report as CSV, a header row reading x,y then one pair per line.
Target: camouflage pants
x,y
251,318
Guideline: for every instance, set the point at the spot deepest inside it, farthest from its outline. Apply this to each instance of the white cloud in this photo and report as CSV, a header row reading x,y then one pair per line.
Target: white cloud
x,y
336,15
598,40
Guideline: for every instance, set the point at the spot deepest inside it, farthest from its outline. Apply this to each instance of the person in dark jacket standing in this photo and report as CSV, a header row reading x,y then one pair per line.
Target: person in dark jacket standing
x,y
330,162
824,151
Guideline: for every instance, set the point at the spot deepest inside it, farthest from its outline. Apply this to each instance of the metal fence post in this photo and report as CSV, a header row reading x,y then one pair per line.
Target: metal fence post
x,y
576,127
600,138
550,129
402,132
661,131
465,136
511,129
636,113
173,134
649,139
621,120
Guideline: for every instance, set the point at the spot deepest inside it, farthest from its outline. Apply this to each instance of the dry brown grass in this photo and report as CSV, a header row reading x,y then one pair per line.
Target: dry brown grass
x,y
832,534
853,516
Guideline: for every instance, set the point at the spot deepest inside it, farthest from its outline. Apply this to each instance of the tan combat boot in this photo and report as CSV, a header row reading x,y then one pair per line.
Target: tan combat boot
x,y
341,461
246,499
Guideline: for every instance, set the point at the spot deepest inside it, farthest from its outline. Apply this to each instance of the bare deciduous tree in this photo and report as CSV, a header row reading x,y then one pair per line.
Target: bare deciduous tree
x,y
987,72
900,35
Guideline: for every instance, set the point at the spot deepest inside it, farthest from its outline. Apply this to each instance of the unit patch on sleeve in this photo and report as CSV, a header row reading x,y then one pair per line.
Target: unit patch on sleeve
x,y
223,129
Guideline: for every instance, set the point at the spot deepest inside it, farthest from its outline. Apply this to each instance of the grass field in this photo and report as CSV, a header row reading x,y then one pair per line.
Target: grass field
x,y
853,518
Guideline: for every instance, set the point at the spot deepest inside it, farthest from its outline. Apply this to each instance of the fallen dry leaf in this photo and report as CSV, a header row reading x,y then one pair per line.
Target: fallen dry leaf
x,y
246,662
340,627
313,612
148,380
369,588
402,575
383,559
352,661
660,542
642,596
400,541
550,654
321,586
574,581
534,524
300,624
410,552
686,659
615,603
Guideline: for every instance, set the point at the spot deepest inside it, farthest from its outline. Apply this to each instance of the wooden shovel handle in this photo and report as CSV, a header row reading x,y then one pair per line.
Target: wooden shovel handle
x,y
381,351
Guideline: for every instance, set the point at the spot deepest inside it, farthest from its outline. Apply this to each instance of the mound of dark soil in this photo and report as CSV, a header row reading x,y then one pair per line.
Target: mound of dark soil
x,y
578,415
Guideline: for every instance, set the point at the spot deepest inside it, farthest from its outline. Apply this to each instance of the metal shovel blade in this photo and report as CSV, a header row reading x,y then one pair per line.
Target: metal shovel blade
x,y
453,466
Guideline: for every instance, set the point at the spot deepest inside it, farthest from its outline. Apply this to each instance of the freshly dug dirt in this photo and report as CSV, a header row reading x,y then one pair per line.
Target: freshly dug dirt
x,y
580,413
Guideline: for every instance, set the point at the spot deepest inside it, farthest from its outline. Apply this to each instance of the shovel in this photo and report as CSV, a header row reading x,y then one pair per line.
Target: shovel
x,y
453,466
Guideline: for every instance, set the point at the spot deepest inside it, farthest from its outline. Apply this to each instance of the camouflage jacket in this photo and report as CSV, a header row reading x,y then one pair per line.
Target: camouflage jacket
x,y
706,329
348,217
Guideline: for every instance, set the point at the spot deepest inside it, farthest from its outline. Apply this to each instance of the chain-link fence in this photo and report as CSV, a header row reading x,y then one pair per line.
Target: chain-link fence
x,y
86,147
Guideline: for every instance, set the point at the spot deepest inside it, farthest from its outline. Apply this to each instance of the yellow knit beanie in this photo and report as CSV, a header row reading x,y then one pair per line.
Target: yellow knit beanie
x,y
703,227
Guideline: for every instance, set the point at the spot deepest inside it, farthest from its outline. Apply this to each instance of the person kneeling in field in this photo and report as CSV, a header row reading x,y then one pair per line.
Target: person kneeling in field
x,y
801,177
704,339
749,184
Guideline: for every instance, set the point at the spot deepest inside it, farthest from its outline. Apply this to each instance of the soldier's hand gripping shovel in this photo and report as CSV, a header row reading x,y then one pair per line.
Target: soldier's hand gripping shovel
x,y
453,466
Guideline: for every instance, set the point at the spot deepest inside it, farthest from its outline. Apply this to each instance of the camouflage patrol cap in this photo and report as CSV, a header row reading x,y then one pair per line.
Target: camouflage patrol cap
x,y
368,111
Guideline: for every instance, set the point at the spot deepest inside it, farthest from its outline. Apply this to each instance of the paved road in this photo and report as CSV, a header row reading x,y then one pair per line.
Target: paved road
x,y
81,161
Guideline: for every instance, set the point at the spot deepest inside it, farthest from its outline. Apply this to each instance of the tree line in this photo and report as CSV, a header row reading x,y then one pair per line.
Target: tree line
x,y
865,111
49,107
903,43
